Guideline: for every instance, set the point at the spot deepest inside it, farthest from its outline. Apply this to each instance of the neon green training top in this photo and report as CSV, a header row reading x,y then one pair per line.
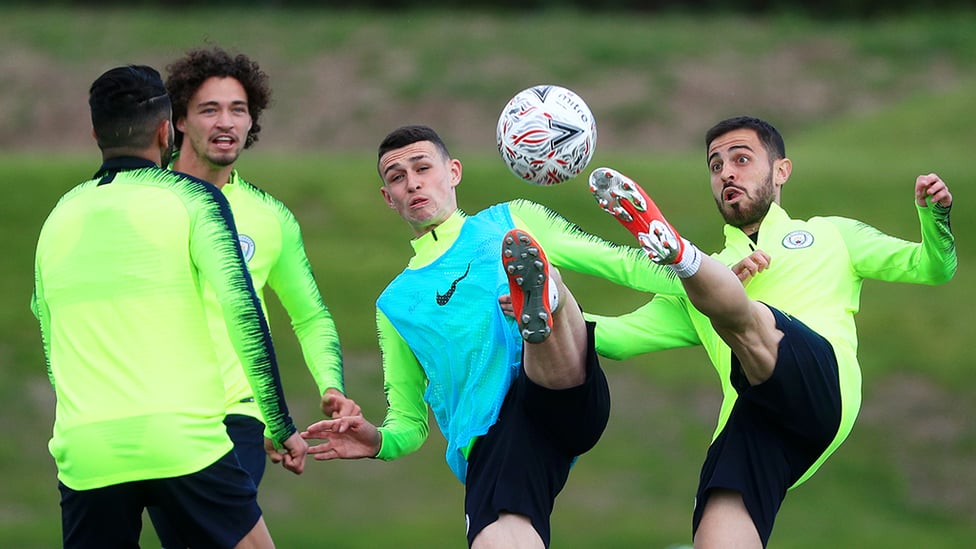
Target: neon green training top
x,y
118,273
271,241
815,274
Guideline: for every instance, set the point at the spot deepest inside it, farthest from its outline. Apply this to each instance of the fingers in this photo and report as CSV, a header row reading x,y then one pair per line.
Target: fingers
x,y
324,451
295,464
349,408
336,405
294,457
274,454
505,302
754,263
346,407
350,437
931,188
321,428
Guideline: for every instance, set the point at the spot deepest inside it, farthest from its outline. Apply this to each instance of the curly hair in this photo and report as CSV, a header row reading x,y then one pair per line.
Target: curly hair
x,y
187,74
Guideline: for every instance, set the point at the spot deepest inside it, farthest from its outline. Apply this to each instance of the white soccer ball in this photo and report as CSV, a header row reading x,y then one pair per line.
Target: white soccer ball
x,y
546,134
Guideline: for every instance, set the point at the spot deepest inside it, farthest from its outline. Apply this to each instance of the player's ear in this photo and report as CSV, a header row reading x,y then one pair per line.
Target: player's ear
x,y
455,167
162,133
782,169
387,197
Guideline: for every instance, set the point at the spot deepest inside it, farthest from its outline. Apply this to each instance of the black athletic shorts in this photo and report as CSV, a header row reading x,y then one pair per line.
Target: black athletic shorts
x,y
247,434
523,461
776,429
214,507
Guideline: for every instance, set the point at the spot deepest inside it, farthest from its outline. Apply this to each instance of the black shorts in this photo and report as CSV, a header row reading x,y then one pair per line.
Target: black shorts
x,y
523,461
247,434
214,507
776,429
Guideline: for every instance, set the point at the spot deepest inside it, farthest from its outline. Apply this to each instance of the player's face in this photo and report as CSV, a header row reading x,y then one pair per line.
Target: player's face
x,y
217,121
744,181
419,182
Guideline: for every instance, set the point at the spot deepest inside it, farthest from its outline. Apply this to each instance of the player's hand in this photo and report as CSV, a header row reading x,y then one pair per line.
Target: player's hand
x,y
751,265
291,455
348,437
505,302
335,404
932,187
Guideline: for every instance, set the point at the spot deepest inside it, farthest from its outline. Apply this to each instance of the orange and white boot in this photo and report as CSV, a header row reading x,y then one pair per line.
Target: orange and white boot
x,y
534,293
624,199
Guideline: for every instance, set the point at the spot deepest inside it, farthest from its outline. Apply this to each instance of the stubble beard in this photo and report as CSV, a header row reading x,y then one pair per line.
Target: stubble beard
x,y
223,159
753,209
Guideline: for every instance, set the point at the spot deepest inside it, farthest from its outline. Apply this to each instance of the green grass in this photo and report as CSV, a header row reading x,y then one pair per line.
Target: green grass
x,y
900,481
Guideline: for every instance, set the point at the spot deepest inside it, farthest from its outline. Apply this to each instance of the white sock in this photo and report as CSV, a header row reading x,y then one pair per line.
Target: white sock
x,y
552,291
690,261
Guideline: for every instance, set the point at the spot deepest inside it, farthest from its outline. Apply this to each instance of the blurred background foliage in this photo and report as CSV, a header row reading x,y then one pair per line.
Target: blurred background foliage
x,y
866,98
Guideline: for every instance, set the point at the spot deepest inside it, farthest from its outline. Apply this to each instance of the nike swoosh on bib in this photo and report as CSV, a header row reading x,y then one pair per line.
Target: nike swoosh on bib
x,y
443,299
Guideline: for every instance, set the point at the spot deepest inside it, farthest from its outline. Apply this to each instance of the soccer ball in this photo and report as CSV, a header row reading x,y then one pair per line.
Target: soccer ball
x,y
546,134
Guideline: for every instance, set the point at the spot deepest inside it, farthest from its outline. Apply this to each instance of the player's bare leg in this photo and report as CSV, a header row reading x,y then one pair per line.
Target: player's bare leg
x,y
510,531
258,538
548,315
747,326
726,524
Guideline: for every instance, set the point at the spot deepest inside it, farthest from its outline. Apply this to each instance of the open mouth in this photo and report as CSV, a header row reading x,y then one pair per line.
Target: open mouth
x,y
731,194
224,141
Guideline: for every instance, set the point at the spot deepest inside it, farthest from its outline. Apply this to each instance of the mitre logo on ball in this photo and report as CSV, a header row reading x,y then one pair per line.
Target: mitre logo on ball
x,y
546,134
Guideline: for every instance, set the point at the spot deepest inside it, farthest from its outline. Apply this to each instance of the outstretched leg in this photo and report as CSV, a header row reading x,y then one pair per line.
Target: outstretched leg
x,y
555,410
547,314
747,326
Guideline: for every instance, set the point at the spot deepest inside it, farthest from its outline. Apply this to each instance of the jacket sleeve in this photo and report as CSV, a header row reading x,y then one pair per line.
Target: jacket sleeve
x,y
294,283
662,323
38,306
405,427
216,253
877,255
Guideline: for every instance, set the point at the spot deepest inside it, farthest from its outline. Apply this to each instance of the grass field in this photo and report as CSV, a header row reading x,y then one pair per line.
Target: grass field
x,y
898,102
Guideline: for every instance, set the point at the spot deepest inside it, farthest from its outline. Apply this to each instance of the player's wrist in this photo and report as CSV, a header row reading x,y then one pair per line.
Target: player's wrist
x,y
377,445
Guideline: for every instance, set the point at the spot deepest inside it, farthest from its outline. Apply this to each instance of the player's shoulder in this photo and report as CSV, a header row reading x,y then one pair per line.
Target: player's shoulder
x,y
76,190
540,218
264,199
527,209
185,185
834,222
524,204
151,179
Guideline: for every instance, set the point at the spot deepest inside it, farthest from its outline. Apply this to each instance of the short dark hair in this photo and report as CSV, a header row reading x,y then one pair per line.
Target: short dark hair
x,y
127,104
768,135
408,135
188,73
